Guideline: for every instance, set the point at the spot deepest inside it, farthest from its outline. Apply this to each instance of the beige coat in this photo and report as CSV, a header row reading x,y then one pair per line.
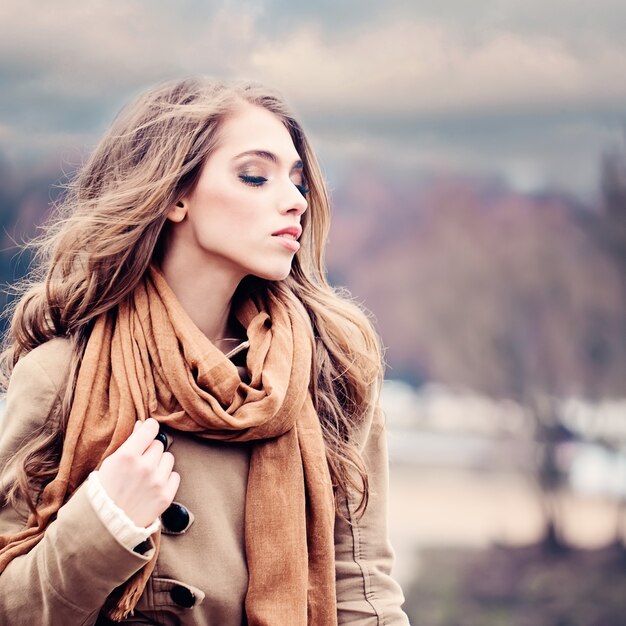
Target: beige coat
x,y
65,579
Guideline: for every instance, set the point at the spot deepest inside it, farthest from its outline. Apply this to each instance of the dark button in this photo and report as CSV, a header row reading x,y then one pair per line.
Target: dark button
x,y
182,596
143,547
175,518
162,437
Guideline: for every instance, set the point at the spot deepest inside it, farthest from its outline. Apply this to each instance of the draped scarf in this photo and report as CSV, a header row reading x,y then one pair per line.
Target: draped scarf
x,y
148,359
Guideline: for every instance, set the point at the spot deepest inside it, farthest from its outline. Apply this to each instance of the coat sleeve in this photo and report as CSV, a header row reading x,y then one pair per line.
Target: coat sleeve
x,y
66,578
366,593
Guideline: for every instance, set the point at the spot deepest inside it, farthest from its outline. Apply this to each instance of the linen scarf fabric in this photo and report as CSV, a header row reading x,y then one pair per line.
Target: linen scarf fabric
x,y
150,360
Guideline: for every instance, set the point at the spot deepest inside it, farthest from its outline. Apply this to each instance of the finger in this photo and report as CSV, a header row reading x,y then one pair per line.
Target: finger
x,y
173,482
153,453
166,464
142,437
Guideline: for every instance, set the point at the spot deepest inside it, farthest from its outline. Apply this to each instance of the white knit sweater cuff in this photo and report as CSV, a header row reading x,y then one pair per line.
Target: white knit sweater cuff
x,y
113,517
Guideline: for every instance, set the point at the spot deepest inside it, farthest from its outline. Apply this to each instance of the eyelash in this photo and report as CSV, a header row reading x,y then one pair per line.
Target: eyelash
x,y
257,181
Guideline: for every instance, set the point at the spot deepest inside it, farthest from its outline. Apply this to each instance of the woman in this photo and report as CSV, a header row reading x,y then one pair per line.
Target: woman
x,y
180,317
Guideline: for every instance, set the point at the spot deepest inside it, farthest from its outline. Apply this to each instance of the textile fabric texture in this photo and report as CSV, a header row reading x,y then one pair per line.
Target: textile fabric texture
x,y
148,359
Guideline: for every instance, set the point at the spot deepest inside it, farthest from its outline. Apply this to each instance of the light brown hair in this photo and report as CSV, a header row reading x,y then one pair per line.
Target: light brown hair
x,y
108,229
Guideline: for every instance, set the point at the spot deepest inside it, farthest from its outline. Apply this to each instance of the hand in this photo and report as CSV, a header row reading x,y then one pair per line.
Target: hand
x,y
138,476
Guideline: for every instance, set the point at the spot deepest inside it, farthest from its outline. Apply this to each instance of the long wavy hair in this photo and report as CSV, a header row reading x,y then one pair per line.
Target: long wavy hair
x,y
108,228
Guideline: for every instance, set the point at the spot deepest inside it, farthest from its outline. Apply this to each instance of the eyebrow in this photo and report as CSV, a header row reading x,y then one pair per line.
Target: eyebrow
x,y
269,156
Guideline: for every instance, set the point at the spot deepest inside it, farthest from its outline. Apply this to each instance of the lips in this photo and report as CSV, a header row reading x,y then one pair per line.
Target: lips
x,y
291,232
288,238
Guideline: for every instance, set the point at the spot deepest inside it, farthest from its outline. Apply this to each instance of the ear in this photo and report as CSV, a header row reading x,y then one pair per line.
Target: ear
x,y
177,212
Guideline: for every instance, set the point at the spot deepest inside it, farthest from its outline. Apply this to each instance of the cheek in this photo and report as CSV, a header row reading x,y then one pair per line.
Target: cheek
x,y
227,212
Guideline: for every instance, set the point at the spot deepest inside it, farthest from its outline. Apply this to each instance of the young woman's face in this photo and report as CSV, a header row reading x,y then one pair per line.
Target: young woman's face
x,y
243,216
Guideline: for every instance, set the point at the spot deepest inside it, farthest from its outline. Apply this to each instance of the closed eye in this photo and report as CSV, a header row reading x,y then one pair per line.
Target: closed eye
x,y
302,189
254,181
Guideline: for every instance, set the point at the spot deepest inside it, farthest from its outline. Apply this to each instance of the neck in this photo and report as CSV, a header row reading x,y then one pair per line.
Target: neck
x,y
210,314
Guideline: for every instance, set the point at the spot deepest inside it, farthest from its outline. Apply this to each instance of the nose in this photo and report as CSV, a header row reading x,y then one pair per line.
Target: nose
x,y
295,203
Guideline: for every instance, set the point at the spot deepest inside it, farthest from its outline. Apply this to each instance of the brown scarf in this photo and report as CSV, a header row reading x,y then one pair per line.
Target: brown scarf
x,y
152,361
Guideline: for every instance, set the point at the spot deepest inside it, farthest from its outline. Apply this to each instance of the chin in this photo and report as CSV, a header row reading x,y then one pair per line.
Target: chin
x,y
273,274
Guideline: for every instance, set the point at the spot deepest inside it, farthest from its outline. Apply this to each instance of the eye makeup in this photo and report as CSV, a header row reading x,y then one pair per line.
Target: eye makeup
x,y
253,181
265,156
258,181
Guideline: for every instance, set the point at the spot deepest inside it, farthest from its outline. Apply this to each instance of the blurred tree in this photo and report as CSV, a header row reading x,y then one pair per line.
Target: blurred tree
x,y
476,285
610,227
613,218
473,284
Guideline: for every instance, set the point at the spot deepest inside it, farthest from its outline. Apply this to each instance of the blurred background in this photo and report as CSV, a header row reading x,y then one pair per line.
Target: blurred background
x,y
475,154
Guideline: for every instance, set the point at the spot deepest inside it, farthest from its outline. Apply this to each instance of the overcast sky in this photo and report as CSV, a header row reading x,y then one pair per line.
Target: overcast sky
x,y
531,90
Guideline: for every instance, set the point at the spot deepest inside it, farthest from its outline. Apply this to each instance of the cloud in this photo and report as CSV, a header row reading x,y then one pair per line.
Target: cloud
x,y
499,85
70,67
398,65
412,67
86,48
